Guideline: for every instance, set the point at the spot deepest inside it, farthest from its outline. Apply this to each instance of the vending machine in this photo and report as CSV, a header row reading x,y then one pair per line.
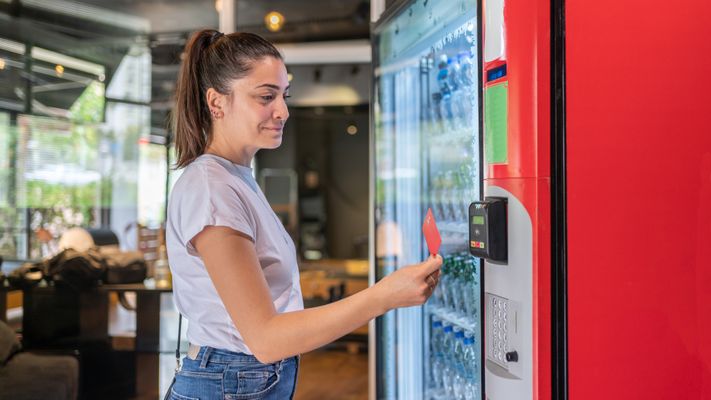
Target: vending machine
x,y
426,155
572,183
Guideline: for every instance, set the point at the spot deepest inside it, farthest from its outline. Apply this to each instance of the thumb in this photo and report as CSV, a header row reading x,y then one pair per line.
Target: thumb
x,y
432,264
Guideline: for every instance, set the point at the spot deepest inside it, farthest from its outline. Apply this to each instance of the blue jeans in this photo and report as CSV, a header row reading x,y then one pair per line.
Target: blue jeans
x,y
219,374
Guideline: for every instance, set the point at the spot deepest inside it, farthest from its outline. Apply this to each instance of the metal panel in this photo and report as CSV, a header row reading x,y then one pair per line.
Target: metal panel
x,y
639,190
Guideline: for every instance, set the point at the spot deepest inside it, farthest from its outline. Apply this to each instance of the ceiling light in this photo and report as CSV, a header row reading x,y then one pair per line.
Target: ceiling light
x,y
274,21
2,64
352,129
218,5
289,76
59,70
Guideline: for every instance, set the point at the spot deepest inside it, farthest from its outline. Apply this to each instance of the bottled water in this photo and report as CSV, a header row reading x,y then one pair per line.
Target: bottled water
x,y
446,281
471,386
436,354
458,286
458,362
447,366
458,350
469,293
470,355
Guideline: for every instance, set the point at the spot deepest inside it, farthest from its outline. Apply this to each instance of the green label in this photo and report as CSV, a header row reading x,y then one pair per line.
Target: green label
x,y
496,123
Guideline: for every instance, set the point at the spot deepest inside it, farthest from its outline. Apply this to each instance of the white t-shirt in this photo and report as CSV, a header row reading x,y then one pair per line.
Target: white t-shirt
x,y
214,191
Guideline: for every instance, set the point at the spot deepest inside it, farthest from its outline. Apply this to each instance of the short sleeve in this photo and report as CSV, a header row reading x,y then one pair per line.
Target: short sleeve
x,y
206,200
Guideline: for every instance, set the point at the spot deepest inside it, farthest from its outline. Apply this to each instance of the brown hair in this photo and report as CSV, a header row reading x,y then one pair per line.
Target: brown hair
x,y
211,60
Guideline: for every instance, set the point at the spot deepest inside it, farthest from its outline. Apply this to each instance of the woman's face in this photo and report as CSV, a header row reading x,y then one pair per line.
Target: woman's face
x,y
257,111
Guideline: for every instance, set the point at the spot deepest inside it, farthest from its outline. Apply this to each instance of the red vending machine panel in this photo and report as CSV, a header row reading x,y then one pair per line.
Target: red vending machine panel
x,y
516,112
638,77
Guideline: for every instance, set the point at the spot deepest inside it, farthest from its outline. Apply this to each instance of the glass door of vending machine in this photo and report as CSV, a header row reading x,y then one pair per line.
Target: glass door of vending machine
x,y
427,154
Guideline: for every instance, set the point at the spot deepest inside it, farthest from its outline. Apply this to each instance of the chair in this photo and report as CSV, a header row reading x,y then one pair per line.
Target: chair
x,y
30,376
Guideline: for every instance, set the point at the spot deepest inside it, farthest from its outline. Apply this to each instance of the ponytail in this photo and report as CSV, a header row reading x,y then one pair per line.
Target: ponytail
x,y
211,60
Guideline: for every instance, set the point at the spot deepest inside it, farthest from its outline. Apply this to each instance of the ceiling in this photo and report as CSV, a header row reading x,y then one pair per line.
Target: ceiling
x,y
103,31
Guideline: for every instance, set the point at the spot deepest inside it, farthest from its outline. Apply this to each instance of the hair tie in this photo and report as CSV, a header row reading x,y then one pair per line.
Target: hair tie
x,y
216,36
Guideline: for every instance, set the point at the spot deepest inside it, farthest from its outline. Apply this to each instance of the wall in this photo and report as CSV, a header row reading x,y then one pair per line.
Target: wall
x,y
316,138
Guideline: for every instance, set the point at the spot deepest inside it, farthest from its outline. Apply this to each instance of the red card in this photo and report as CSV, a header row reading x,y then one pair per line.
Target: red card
x,y
429,228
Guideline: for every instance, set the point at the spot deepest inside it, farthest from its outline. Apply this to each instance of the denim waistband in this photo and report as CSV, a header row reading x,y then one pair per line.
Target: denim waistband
x,y
210,354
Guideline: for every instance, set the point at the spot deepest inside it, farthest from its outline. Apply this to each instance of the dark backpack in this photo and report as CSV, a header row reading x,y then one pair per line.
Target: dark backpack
x,y
78,270
125,268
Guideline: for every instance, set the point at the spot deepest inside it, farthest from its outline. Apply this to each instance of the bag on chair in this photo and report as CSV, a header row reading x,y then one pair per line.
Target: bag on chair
x,y
78,270
124,268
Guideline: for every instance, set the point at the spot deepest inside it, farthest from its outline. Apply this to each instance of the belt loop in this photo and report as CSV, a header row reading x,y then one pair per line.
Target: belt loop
x,y
205,357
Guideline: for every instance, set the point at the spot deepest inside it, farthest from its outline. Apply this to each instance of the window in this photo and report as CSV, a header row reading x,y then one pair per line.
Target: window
x,y
78,152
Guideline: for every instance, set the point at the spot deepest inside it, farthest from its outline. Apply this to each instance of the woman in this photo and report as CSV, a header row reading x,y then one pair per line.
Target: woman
x,y
235,274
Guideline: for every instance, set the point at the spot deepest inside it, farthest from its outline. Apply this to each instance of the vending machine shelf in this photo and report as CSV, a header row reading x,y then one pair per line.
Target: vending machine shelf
x,y
461,320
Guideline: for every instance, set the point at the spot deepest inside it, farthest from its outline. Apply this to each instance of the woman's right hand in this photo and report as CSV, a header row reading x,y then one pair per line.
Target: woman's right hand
x,y
411,285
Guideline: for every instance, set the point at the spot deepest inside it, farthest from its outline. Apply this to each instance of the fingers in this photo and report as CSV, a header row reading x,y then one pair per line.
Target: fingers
x,y
432,264
432,280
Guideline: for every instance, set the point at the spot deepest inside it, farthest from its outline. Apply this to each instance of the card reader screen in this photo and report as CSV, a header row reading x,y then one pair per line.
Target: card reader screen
x,y
478,220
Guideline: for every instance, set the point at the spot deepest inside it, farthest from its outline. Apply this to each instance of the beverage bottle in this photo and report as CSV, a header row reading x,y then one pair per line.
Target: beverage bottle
x,y
445,280
470,355
447,365
458,96
469,288
437,331
472,367
458,351
462,377
445,91
436,353
456,360
163,277
457,285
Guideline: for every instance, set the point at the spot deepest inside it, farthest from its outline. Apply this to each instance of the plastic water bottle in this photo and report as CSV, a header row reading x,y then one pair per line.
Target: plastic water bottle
x,y
445,281
469,356
436,353
471,367
447,365
436,335
459,364
458,346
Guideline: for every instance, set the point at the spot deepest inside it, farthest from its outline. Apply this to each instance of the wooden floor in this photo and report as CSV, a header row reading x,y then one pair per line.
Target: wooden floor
x,y
333,375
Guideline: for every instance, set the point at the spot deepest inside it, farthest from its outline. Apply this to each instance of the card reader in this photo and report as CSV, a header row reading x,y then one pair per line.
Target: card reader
x,y
487,229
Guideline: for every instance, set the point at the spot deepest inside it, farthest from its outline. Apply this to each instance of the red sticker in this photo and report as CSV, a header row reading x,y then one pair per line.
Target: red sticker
x,y
429,228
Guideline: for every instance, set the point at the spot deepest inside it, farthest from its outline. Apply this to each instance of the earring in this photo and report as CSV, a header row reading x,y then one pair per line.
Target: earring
x,y
216,114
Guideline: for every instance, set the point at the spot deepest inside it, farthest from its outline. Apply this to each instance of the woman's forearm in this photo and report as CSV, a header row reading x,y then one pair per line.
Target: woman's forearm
x,y
271,336
285,335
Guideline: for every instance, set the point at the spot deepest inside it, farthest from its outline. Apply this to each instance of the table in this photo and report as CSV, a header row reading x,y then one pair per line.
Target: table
x,y
86,315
